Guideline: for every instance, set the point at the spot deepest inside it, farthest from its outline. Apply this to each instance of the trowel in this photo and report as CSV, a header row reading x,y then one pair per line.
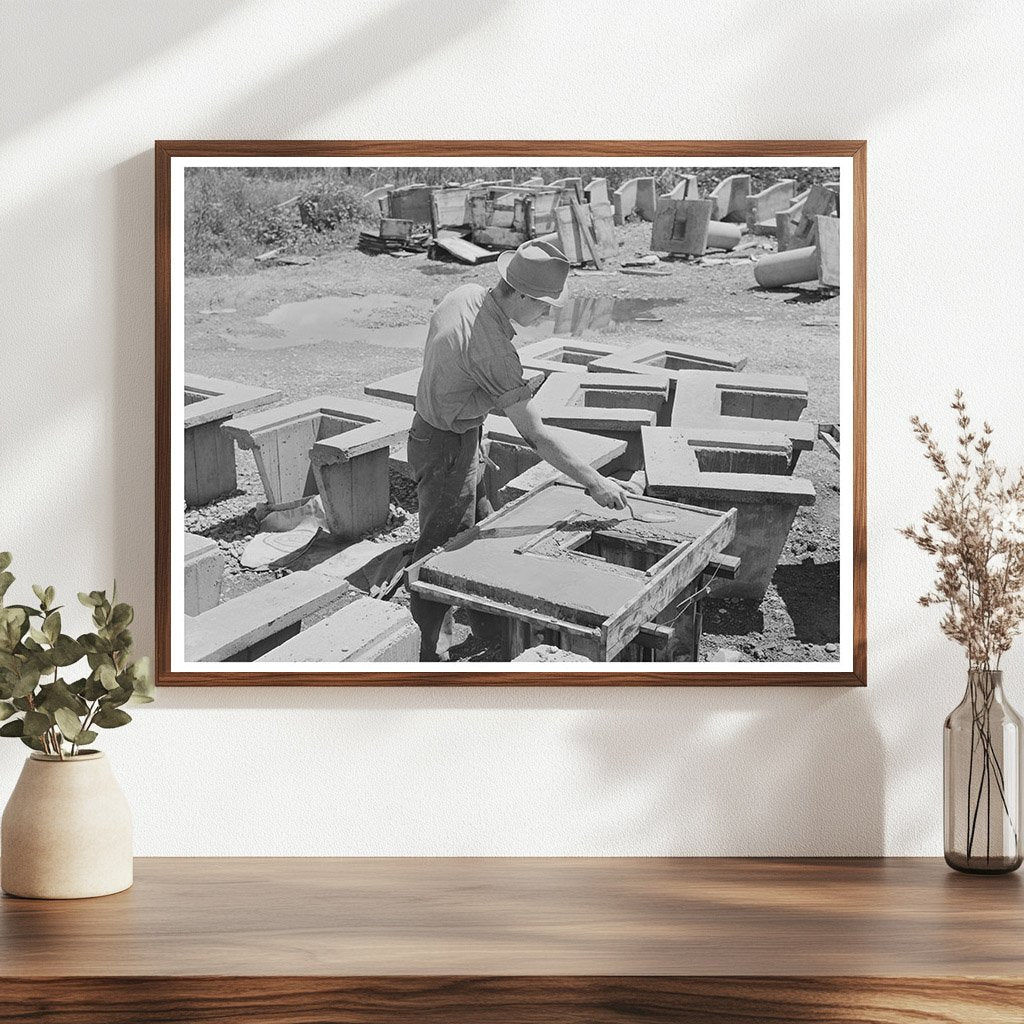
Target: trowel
x,y
649,517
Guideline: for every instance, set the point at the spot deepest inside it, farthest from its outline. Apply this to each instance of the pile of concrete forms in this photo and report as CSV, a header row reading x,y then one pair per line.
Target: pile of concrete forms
x,y
331,447
715,449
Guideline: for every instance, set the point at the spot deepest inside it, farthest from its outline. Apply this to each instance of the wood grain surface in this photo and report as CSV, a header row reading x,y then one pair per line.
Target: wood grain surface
x,y
523,939
166,150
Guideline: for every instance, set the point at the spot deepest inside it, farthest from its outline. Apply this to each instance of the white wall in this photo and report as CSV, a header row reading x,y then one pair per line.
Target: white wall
x,y
937,90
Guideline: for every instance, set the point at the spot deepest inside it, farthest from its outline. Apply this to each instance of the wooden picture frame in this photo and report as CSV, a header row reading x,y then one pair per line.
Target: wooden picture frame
x,y
679,218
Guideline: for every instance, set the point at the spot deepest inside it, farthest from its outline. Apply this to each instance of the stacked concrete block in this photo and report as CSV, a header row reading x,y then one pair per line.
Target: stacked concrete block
x,y
246,627
552,355
209,451
366,630
665,359
204,574
614,405
748,402
636,196
723,469
763,206
730,197
282,439
350,464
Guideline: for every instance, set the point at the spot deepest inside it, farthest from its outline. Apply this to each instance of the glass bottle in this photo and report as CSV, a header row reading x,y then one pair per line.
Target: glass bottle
x,y
981,774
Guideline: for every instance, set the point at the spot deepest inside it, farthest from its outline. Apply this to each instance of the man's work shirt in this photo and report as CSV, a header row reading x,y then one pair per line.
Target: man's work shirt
x,y
470,366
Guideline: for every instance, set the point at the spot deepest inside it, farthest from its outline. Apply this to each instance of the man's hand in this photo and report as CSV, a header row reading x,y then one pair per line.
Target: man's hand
x,y
609,493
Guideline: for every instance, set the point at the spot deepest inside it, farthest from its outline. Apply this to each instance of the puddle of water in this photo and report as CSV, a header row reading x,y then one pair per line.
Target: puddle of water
x,y
351,319
344,319
591,315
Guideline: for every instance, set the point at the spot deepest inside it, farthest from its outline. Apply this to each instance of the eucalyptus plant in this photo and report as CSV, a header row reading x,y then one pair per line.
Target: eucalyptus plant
x,y
45,711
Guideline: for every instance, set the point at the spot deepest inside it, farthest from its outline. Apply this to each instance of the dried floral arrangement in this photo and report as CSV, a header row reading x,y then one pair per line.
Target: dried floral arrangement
x,y
975,529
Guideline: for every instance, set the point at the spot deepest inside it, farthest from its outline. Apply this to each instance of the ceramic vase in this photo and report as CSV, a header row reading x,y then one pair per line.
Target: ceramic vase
x,y
66,830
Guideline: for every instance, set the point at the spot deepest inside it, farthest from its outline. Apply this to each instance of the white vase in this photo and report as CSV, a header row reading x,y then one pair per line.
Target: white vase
x,y
66,831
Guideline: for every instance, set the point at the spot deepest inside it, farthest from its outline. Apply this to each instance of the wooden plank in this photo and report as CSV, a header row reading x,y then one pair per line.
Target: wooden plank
x,y
223,632
587,233
820,202
393,228
602,217
622,627
827,230
464,251
570,241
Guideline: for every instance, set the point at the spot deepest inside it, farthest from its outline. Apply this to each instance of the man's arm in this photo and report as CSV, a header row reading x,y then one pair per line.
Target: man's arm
x,y
606,492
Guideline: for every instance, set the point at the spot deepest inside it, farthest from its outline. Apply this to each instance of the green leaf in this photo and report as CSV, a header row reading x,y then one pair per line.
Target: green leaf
x,y
31,741
122,615
142,680
6,710
89,600
111,718
50,595
6,579
66,651
5,560
97,646
27,682
69,724
9,663
15,728
22,703
59,695
36,723
38,635
40,593
51,626
107,676
86,736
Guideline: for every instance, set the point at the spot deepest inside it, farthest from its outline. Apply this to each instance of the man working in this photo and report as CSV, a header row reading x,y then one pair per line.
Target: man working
x,y
471,369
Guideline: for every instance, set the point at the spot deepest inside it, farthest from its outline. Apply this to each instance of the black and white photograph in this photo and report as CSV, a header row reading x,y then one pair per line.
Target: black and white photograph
x,y
523,415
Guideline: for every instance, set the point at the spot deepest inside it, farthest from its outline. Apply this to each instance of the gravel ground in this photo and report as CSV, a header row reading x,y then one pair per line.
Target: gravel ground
x,y
714,303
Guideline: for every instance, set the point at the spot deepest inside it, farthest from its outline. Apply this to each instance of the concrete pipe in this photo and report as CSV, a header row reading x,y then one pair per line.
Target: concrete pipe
x,y
791,267
722,235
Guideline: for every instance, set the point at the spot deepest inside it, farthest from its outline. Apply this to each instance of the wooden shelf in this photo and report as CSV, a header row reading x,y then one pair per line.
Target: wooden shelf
x,y
288,940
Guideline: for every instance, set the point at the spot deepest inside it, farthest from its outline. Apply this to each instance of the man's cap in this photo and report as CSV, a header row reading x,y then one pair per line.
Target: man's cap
x,y
538,269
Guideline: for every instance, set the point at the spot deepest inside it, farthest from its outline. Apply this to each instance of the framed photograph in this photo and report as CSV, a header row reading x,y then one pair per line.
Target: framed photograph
x,y
493,413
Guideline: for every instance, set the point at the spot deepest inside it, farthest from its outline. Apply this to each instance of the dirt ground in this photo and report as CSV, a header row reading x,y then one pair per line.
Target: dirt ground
x,y
363,317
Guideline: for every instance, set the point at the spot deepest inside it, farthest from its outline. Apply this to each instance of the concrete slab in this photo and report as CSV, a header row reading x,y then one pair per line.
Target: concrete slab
x,y
204,574
764,205
723,469
730,198
209,452
282,439
350,466
401,387
664,358
245,627
615,405
681,226
762,403
364,631
555,355
555,560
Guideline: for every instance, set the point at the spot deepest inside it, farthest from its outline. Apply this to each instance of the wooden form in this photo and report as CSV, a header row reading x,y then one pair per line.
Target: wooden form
x,y
350,464
657,358
570,188
635,196
730,197
410,202
821,201
826,232
366,630
614,405
764,205
585,232
725,469
450,209
281,439
555,355
246,627
210,452
681,226
761,403
592,577
204,573
829,433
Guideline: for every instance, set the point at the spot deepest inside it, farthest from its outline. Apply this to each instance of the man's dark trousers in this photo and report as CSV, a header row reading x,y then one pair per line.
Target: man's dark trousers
x,y
450,486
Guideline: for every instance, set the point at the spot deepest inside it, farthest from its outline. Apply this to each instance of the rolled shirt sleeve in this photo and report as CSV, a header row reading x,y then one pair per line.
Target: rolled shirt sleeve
x,y
502,379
